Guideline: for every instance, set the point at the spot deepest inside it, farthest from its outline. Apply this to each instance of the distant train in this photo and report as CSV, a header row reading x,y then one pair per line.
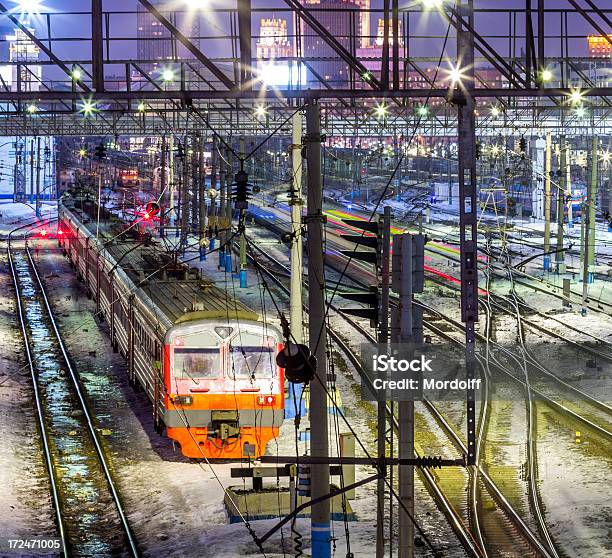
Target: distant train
x,y
206,361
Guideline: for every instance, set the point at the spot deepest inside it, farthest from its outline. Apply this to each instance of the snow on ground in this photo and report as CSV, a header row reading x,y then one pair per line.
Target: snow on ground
x,y
25,504
13,215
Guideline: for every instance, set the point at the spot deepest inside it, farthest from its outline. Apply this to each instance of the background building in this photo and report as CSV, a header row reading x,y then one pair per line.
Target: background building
x,y
154,41
273,42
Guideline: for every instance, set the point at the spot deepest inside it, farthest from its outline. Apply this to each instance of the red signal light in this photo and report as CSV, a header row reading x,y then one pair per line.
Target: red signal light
x,y
151,209
60,232
146,215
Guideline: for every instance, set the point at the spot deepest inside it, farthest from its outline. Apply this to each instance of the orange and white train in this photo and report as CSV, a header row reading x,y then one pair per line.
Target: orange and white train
x,y
206,361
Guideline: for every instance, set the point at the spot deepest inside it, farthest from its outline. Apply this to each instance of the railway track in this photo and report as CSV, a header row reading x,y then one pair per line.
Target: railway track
x,y
90,517
447,486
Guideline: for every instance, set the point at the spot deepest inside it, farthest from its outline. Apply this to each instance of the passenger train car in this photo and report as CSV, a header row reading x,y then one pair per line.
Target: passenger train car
x,y
206,361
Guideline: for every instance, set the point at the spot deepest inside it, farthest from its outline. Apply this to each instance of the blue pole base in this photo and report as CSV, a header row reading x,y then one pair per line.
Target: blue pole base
x,y
221,260
243,278
321,540
212,243
228,263
546,263
176,233
570,224
202,253
590,277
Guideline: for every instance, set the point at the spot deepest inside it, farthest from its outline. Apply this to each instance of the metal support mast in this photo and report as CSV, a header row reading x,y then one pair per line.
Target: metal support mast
x,y
467,209
317,331
163,182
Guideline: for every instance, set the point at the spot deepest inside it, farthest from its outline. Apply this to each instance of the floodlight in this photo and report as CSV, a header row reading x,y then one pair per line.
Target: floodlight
x,y
88,107
380,110
576,96
168,75
547,75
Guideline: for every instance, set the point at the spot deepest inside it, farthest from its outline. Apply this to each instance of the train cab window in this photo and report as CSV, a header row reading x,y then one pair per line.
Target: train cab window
x,y
197,356
251,356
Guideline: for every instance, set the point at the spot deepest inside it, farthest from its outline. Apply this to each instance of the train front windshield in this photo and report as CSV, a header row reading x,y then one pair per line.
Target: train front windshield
x,y
196,362
252,356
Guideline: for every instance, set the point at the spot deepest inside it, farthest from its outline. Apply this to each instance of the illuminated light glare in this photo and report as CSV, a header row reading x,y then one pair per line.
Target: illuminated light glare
x,y
76,74
280,75
495,150
82,152
366,76
146,215
494,111
455,74
197,4
29,6
43,232
423,111
605,156
88,108
168,75
260,110
580,112
212,193
381,111
576,96
32,109
547,75
141,107
429,4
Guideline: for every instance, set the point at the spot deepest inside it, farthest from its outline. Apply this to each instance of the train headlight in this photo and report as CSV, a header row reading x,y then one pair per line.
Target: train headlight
x,y
183,400
266,400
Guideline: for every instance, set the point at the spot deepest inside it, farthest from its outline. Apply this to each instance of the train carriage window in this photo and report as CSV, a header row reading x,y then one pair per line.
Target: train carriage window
x,y
252,356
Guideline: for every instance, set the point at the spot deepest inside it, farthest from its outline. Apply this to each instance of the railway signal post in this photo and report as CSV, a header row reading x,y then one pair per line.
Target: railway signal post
x,y
295,200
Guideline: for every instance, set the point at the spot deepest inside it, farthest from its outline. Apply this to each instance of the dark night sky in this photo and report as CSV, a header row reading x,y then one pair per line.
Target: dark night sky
x,y
495,26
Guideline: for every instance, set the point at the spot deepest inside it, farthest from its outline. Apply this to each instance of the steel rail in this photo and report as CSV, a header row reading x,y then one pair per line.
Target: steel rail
x,y
38,403
86,412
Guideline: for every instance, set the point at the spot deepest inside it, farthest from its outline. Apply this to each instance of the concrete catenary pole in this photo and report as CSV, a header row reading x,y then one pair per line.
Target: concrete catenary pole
x,y
589,224
296,308
317,332
559,255
406,409
547,199
38,176
243,253
383,338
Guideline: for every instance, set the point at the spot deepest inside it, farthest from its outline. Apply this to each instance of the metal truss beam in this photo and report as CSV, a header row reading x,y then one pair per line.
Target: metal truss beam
x,y
187,96
595,25
59,63
213,68
97,53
